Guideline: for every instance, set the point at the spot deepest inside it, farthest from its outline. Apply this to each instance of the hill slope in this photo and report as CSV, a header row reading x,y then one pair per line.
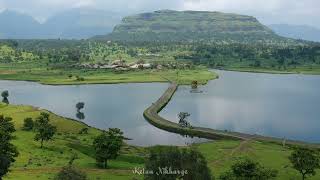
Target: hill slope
x,y
297,31
168,25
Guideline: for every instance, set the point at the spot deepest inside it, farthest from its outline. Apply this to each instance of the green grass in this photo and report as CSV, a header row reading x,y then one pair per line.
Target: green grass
x,y
222,154
39,73
36,163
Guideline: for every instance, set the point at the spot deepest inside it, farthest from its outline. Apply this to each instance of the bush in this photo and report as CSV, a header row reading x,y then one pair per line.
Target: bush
x,y
185,164
249,170
28,124
84,131
71,173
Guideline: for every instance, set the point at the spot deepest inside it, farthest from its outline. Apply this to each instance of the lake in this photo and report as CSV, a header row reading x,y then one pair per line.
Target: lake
x,y
106,106
285,106
267,104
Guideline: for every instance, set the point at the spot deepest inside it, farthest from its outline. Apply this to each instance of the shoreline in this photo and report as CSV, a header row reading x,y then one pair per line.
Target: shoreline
x,y
164,80
152,116
269,71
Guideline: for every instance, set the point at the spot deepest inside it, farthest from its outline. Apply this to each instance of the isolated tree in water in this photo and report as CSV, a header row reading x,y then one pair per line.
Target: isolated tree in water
x,y
7,151
183,119
44,130
5,95
107,146
306,161
79,106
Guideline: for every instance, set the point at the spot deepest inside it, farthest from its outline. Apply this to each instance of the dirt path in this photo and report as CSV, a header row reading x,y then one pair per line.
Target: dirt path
x,y
244,146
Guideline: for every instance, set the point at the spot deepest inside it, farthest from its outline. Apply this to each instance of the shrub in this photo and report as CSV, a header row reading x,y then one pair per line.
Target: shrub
x,y
28,124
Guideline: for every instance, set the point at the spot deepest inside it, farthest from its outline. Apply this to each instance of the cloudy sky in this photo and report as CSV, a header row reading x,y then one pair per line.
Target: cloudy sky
x,y
268,11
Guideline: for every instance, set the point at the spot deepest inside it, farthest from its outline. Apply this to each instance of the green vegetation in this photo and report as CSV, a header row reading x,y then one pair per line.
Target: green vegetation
x,y
71,173
107,146
28,124
247,169
171,163
5,95
36,163
222,154
8,152
70,148
60,76
306,161
44,130
172,26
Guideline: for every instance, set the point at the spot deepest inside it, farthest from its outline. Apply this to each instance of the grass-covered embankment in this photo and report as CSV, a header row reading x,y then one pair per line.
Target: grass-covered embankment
x,y
36,163
40,73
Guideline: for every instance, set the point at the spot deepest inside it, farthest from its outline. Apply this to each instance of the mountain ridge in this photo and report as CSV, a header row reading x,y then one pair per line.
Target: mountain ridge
x,y
76,23
170,25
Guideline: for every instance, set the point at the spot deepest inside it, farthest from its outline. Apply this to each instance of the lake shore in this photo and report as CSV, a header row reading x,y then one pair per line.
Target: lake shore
x,y
304,71
46,76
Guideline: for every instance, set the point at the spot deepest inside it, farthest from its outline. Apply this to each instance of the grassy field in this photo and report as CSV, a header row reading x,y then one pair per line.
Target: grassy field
x,y
39,73
36,163
222,154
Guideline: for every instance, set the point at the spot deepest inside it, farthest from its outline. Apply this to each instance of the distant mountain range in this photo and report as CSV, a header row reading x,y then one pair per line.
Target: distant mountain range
x,y
163,25
168,25
297,31
73,24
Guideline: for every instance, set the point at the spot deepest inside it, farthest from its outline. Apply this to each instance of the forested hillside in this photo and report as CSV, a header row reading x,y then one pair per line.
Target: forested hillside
x,y
168,25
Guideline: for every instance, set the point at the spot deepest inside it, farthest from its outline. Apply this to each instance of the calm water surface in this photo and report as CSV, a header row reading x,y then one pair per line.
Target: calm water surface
x,y
285,106
267,104
106,106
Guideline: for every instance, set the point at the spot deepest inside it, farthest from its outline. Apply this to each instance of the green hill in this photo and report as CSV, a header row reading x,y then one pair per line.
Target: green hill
x,y
168,25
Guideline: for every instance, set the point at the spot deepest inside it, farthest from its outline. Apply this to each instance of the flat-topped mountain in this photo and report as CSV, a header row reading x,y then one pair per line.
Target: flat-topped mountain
x,y
168,25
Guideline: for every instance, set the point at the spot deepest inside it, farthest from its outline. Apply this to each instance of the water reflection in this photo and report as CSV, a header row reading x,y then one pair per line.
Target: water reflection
x,y
266,104
106,106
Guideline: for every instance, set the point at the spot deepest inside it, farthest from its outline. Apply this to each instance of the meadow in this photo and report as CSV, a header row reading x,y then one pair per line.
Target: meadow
x,y
36,163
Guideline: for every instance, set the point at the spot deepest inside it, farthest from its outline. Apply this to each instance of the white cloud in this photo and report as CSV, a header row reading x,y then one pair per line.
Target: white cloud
x,y
270,11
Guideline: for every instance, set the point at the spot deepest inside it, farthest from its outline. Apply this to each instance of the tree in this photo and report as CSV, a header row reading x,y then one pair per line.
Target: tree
x,y
184,164
194,84
248,170
7,150
5,95
183,119
80,115
28,124
305,161
107,145
79,106
44,130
